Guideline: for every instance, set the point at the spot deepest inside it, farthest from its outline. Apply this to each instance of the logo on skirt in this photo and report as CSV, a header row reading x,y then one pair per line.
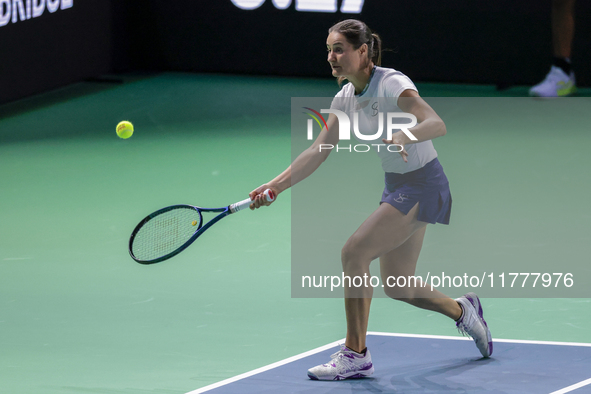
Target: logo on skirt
x,y
401,197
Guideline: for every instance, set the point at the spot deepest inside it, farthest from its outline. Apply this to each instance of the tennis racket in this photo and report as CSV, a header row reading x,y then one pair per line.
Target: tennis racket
x,y
168,231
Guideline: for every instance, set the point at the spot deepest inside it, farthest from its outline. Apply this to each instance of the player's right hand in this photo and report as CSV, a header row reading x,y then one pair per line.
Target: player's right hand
x,y
258,198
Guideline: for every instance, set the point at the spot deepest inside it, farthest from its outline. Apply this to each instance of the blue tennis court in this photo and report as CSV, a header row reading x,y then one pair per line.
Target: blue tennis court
x,y
431,364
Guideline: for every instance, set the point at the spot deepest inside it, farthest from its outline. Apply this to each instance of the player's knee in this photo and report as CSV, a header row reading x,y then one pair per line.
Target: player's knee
x,y
353,255
406,294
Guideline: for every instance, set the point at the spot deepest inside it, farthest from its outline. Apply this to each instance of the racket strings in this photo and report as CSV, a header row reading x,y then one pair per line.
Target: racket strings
x,y
165,233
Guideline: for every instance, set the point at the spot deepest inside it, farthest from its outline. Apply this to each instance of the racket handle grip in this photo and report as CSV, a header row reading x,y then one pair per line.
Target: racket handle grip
x,y
269,196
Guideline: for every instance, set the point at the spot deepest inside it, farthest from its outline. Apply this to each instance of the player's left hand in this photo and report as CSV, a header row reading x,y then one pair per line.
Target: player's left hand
x,y
399,140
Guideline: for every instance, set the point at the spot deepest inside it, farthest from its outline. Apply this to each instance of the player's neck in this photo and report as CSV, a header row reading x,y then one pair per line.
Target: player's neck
x,y
362,78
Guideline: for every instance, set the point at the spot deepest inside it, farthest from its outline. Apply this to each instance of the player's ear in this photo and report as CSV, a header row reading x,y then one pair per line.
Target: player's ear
x,y
363,49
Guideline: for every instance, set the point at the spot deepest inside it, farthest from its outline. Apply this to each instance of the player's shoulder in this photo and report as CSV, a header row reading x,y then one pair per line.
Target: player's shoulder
x,y
390,74
348,90
391,82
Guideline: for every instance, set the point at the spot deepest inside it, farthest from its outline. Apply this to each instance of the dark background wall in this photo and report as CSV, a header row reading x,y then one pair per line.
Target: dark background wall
x,y
498,42
54,49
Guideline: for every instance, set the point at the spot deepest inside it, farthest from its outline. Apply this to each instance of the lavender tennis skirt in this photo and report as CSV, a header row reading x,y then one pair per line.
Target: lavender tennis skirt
x,y
427,186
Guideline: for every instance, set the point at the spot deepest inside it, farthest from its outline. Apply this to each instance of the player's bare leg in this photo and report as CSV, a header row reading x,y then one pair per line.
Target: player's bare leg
x,y
563,27
401,263
384,230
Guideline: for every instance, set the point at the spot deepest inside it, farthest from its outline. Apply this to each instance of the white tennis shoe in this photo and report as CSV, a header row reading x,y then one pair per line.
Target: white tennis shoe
x,y
473,324
556,84
344,364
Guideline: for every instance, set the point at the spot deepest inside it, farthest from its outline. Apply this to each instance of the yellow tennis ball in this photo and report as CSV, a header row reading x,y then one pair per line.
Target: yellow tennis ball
x,y
124,129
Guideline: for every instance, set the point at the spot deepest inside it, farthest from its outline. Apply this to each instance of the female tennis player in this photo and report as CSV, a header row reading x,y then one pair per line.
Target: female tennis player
x,y
416,193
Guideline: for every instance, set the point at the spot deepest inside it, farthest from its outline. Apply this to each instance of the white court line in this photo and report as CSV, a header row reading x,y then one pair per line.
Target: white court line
x,y
573,387
266,368
388,334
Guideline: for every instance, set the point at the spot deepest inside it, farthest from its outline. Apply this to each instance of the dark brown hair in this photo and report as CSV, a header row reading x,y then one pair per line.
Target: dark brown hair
x,y
357,33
